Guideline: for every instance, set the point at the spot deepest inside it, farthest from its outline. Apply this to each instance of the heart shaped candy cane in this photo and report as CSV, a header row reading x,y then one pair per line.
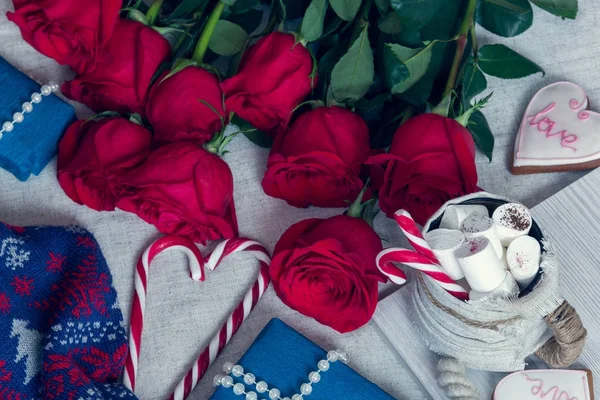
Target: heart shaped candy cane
x,y
197,263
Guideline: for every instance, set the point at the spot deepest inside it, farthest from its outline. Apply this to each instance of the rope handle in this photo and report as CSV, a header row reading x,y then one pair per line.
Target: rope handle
x,y
569,337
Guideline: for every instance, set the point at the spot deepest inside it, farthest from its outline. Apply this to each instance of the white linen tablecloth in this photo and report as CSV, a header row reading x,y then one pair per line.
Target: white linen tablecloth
x,y
182,315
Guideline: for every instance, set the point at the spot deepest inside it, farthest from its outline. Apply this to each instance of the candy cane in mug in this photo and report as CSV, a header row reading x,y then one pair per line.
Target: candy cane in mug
x,y
423,259
197,263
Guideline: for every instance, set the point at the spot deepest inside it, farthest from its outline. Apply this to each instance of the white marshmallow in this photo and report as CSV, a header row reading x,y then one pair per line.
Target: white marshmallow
x,y
523,257
507,288
455,215
512,220
503,259
476,225
480,264
444,242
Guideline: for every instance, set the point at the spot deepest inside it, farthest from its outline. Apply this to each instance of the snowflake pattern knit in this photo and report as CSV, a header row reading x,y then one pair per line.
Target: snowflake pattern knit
x,y
62,334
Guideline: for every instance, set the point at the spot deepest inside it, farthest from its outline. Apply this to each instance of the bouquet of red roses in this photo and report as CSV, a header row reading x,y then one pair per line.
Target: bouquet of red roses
x,y
340,90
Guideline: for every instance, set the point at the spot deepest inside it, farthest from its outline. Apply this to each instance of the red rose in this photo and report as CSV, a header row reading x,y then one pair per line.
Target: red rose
x,y
186,106
325,269
69,31
431,160
121,82
183,190
273,78
91,154
318,160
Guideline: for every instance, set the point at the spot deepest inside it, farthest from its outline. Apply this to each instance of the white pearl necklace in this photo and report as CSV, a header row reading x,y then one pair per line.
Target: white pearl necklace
x,y
262,386
27,107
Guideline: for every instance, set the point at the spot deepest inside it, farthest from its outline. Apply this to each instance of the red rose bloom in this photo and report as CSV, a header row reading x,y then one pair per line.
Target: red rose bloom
x,y
431,160
318,160
186,106
183,190
325,269
69,31
121,82
92,154
273,78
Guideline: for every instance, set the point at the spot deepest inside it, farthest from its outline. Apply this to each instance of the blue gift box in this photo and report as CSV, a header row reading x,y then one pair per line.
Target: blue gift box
x,y
283,358
34,142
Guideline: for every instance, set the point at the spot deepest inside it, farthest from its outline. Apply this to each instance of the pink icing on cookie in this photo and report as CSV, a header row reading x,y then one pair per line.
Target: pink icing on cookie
x,y
546,126
544,385
557,130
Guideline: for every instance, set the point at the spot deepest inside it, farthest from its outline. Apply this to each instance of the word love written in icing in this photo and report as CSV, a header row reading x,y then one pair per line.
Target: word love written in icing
x,y
547,125
556,393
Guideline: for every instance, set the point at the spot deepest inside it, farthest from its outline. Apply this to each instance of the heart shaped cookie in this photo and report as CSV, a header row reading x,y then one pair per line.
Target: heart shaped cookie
x,y
557,132
550,384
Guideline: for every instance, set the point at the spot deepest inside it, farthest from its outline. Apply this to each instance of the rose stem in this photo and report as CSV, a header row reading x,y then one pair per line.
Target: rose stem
x,y
153,11
461,44
202,46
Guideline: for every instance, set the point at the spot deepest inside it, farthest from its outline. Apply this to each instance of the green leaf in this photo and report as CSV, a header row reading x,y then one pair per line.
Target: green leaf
x,y
325,65
371,110
503,62
187,7
179,65
390,23
504,17
290,9
241,6
228,2
312,23
561,8
482,134
138,16
414,14
416,60
345,9
256,136
382,5
249,20
473,82
353,74
394,71
228,38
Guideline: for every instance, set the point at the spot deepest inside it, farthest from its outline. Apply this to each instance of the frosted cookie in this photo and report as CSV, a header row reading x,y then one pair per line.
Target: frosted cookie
x,y
550,384
557,133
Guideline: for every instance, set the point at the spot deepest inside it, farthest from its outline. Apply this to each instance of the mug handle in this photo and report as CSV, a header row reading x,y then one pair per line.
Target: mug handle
x,y
568,341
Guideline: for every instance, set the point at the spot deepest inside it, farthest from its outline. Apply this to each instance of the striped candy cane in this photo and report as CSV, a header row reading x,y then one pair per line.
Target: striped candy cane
x,y
423,259
197,263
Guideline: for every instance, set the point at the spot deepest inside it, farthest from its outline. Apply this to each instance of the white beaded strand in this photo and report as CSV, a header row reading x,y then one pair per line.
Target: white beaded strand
x,y
274,393
27,107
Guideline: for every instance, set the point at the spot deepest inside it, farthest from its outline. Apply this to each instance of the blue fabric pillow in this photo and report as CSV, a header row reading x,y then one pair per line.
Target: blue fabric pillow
x,y
283,358
34,142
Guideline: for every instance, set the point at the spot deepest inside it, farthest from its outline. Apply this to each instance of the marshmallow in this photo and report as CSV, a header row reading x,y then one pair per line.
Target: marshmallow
x,y
523,257
503,259
476,225
507,288
444,242
482,267
455,215
512,220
